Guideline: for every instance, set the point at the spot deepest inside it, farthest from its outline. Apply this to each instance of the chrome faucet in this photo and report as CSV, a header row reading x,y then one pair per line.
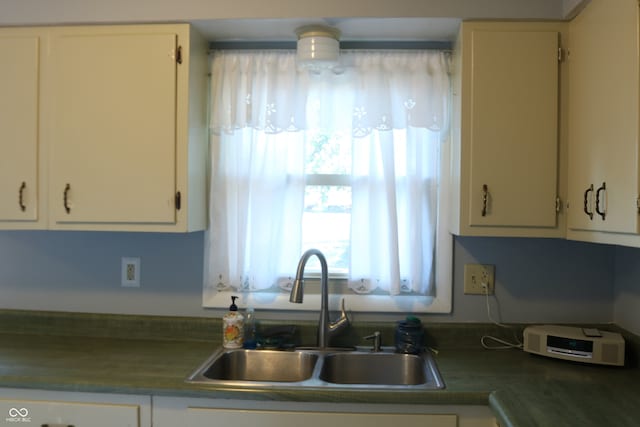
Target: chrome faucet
x,y
325,328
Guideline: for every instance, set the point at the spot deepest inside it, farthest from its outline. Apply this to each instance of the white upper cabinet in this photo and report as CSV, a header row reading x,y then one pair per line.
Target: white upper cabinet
x,y
603,123
127,128
505,144
103,128
113,128
20,149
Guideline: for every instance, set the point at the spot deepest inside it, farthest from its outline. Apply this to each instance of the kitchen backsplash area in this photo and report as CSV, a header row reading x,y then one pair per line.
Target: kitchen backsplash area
x,y
537,280
627,288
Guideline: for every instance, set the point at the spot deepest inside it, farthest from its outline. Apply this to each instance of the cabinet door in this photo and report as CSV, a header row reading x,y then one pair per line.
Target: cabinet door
x,y
19,130
513,128
198,412
113,154
603,118
53,413
205,417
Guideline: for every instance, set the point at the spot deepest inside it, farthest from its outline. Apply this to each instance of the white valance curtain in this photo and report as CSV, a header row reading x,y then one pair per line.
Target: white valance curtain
x,y
265,90
395,106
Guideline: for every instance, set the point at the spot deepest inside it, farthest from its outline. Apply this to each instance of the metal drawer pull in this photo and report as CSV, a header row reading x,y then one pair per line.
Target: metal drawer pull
x,y
57,425
66,198
485,198
23,207
586,202
603,212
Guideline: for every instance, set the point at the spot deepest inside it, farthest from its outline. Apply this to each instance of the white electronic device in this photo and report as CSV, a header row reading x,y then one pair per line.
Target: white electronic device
x,y
588,345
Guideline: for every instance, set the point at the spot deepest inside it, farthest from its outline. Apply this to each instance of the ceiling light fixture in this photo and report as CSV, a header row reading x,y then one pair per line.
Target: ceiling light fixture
x,y
318,47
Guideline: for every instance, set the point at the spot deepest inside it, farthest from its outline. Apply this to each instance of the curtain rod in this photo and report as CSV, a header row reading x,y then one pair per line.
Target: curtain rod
x,y
364,45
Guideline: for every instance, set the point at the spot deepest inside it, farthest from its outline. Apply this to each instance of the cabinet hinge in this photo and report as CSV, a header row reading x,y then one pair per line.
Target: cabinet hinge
x,y
179,54
558,204
178,200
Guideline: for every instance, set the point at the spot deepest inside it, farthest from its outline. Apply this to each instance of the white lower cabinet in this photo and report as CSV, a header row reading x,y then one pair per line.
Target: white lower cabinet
x,y
62,409
214,417
171,412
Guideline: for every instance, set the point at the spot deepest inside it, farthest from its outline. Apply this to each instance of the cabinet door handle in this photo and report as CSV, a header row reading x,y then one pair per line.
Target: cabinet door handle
x,y
485,199
56,425
602,212
178,201
586,202
23,186
65,197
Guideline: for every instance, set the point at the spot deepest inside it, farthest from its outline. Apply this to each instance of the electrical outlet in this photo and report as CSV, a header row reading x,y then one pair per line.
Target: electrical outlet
x,y
130,272
475,275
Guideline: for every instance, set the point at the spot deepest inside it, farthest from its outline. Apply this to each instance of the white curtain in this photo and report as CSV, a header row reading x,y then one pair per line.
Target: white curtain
x,y
394,104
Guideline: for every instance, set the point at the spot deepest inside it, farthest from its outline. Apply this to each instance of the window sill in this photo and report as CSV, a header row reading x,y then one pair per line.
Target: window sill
x,y
357,303
353,302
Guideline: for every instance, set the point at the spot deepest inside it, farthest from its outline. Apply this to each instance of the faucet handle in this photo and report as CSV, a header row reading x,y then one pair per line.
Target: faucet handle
x,y
377,341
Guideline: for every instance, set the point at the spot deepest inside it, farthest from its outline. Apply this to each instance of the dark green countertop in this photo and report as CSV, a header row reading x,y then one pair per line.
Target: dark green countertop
x,y
522,390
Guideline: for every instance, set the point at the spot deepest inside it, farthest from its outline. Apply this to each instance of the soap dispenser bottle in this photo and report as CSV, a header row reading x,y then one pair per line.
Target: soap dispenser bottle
x,y
233,326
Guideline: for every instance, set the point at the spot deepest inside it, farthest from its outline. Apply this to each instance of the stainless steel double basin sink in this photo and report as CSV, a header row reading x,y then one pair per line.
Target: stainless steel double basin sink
x,y
319,368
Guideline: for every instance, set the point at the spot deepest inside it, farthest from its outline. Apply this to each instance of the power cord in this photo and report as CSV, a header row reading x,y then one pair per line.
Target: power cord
x,y
502,344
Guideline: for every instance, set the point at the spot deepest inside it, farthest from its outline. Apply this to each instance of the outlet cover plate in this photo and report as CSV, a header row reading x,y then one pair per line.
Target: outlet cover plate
x,y
130,277
475,275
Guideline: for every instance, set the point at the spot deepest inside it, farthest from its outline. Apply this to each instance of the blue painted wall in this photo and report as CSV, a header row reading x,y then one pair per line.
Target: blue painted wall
x,y
537,280
627,288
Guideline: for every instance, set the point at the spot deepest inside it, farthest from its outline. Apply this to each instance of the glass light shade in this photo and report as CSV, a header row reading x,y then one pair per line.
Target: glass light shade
x,y
318,47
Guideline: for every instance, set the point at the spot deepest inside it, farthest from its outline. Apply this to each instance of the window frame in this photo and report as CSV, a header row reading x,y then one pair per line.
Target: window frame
x,y
440,303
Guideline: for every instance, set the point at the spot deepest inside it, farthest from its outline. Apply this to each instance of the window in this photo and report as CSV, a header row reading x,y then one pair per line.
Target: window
x,y
348,162
326,220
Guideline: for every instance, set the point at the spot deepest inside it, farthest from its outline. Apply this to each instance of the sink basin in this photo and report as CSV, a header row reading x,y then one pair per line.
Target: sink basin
x,y
261,365
374,368
319,368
